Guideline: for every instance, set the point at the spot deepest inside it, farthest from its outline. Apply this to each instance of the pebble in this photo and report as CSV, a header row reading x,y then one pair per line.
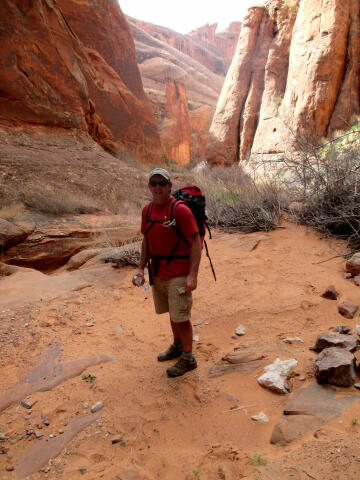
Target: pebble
x,y
260,417
45,420
196,338
292,340
2,437
117,439
10,468
86,405
96,407
118,329
357,329
357,385
38,434
240,330
26,404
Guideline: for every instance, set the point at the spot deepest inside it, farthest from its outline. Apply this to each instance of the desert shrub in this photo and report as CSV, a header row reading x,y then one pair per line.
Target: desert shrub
x,y
237,202
125,255
11,210
324,181
59,203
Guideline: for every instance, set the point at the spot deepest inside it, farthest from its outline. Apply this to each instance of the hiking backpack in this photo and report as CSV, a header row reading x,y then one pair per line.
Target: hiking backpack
x,y
192,196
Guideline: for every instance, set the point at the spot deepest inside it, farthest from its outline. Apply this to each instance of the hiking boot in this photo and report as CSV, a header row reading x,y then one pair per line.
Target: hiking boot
x,y
170,353
182,366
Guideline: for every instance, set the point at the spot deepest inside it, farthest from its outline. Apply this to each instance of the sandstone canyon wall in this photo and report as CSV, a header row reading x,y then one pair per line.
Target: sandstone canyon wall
x,y
295,75
70,65
194,68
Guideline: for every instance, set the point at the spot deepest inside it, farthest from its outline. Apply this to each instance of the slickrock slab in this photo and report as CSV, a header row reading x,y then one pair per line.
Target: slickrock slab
x,y
347,309
307,409
353,264
331,293
10,234
335,366
327,340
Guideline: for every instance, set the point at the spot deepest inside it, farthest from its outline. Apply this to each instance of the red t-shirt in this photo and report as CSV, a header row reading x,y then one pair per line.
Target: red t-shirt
x,y
161,240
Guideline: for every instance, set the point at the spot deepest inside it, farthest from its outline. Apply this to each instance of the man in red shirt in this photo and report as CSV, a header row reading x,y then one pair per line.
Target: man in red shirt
x,y
174,272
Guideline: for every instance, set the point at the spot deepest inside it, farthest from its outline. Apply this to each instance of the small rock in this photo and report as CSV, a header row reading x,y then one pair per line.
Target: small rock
x,y
335,366
357,280
327,340
260,417
353,264
119,329
357,329
45,420
331,293
357,385
26,404
2,437
86,405
96,407
38,434
348,275
196,338
117,439
347,309
292,340
9,468
345,329
240,330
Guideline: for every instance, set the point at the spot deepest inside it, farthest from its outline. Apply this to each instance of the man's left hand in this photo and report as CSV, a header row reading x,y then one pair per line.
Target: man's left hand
x,y
190,283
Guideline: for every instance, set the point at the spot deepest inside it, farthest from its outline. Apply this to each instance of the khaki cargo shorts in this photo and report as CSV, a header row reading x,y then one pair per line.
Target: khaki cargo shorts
x,y
169,296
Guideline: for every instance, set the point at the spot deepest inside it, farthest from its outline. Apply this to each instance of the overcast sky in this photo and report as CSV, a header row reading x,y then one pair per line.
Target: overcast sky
x,y
186,15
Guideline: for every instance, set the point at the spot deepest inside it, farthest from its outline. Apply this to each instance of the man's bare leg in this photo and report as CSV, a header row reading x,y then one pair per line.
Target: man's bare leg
x,y
183,330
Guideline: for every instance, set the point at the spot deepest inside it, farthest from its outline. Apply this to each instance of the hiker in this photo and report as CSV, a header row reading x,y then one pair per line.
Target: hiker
x,y
174,250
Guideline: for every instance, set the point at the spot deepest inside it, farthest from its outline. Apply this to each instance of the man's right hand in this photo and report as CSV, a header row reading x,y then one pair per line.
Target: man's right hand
x,y
138,274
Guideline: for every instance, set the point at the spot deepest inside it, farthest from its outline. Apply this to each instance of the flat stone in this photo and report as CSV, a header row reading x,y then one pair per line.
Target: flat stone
x,y
347,309
245,363
307,409
331,293
326,340
345,329
335,366
117,439
292,340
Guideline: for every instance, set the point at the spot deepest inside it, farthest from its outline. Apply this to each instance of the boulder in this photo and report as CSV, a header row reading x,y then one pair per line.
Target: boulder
x,y
10,234
276,375
331,293
326,340
353,264
335,366
347,309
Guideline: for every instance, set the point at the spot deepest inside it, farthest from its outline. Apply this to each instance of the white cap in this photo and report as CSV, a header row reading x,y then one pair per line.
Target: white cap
x,y
160,171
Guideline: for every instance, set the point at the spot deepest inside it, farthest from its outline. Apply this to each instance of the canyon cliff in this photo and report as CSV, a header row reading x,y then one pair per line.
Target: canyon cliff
x,y
295,77
193,69
70,66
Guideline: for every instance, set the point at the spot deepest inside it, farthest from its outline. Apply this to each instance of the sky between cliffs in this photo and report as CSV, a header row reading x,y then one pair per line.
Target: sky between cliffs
x,y
186,15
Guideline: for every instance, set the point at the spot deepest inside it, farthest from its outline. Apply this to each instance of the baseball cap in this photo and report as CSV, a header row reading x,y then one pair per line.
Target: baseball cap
x,y
160,171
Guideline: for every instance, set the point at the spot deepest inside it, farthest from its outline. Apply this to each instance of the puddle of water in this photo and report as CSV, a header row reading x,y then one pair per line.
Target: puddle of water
x,y
48,374
38,455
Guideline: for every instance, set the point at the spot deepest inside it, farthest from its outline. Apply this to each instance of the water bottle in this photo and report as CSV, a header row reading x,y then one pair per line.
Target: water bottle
x,y
140,282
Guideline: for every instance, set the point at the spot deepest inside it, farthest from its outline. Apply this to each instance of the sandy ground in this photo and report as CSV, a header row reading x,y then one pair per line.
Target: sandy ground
x,y
183,428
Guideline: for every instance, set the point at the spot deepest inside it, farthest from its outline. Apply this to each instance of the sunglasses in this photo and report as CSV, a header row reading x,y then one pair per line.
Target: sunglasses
x,y
161,183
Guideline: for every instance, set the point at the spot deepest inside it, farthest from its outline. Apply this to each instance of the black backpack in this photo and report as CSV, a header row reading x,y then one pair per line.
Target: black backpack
x,y
192,196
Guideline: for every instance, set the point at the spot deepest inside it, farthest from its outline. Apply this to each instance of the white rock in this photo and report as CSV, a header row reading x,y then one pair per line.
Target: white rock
x,y
292,340
276,375
260,417
96,407
357,329
240,330
196,338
